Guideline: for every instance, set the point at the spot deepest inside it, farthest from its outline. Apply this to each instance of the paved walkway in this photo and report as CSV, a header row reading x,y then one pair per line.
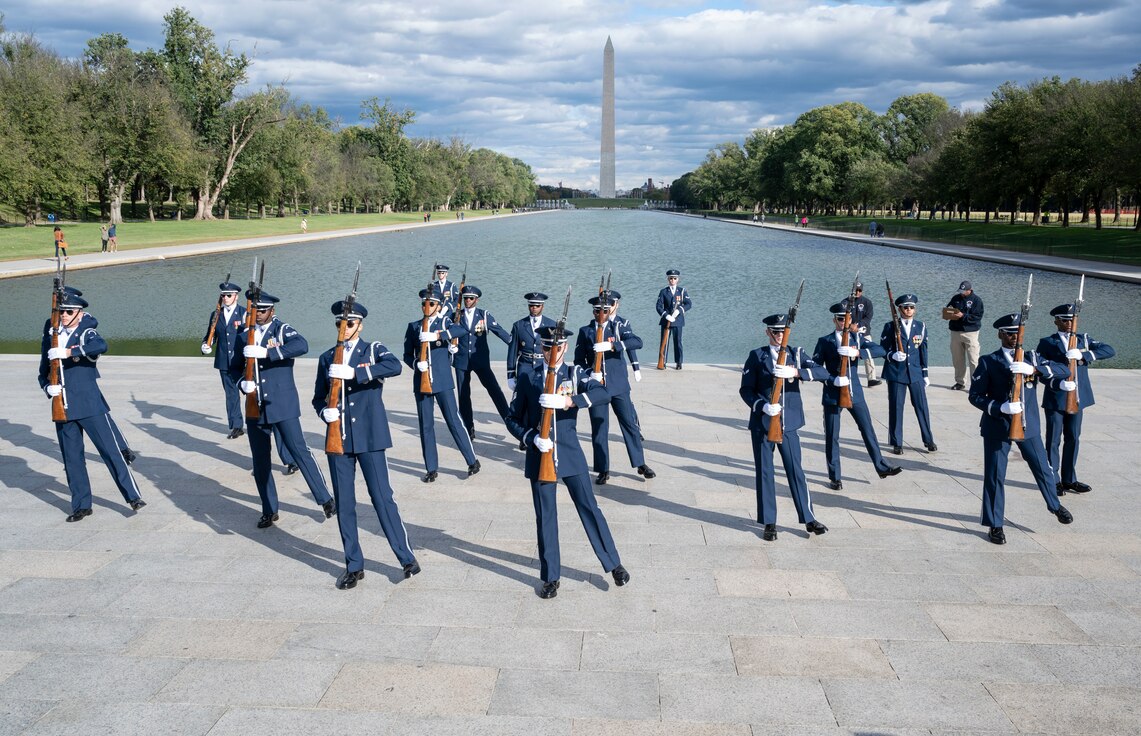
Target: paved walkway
x,y
903,619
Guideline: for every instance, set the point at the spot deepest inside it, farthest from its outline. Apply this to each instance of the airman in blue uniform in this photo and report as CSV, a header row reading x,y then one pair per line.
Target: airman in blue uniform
x,y
617,338
524,352
365,439
473,356
757,380
1059,424
830,353
449,290
991,387
441,330
276,346
673,303
574,389
80,346
230,320
906,373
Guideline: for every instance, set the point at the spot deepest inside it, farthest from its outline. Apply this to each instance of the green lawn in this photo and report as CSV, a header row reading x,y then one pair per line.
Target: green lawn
x,y
17,241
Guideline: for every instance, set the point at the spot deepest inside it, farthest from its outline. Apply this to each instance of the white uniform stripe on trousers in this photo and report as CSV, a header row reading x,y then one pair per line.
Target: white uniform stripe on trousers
x,y
388,479
115,439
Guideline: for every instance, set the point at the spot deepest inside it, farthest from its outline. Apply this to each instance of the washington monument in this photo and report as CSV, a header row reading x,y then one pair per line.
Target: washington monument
x,y
606,174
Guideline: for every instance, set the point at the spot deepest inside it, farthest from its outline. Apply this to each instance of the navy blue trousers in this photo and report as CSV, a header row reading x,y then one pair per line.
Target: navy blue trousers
x,y
374,469
895,395
764,465
547,525
427,417
995,456
627,422
675,336
103,435
863,419
234,418
1061,425
487,378
292,438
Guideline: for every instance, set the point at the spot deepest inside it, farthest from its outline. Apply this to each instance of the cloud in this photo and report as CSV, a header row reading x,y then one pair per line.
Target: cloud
x,y
525,79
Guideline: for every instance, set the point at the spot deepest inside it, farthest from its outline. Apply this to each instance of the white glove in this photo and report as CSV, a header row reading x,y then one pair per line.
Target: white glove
x,y
206,349
926,382
511,385
427,337
330,415
54,390
637,376
603,347
59,353
675,313
771,409
542,445
841,381
552,401
247,387
1023,369
1073,354
596,377
342,371
453,349
784,371
1069,386
847,351
862,330
1011,407
899,357
254,351
422,366
670,317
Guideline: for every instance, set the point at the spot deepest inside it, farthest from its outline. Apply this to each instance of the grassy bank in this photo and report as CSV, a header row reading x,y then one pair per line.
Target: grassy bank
x,y
18,242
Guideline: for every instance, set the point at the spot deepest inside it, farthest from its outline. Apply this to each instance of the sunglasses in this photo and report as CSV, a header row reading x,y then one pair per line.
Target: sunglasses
x,y
907,306
429,301
349,322
68,311
264,309
470,296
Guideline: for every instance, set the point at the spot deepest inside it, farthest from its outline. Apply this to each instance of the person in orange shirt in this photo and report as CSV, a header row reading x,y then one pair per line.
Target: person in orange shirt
x,y
60,243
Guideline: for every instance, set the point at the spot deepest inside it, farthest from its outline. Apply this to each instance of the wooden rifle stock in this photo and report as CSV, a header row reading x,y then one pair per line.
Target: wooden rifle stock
x,y
214,324
55,373
253,410
845,391
333,443
1072,396
1017,428
662,349
895,320
425,350
547,472
776,424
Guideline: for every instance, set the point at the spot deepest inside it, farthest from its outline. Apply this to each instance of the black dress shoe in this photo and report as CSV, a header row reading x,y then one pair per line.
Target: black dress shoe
x,y
770,533
291,469
1064,515
836,485
266,521
137,504
603,477
959,387
330,508
1077,487
621,577
430,476
815,527
522,445
79,515
1061,488
129,456
349,579
412,568
471,433
997,536
875,382
235,434
473,468
549,590
891,470
931,447
677,367
896,450
646,471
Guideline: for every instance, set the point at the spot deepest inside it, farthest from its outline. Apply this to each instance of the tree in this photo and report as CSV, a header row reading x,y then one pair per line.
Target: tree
x,y
392,147
911,125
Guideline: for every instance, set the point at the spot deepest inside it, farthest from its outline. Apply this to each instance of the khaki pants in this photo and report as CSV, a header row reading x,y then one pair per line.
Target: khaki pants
x,y
964,355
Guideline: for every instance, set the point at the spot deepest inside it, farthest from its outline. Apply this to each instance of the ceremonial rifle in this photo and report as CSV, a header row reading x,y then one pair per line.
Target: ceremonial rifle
x,y
217,316
547,472
253,400
460,306
334,434
55,367
1072,396
845,401
425,350
776,429
600,321
895,318
1018,421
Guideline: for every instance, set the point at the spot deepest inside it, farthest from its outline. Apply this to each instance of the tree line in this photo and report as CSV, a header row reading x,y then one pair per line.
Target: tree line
x,y
173,125
1063,145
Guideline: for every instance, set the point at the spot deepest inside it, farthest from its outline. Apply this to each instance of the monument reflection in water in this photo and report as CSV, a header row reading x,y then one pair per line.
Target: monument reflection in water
x,y
736,274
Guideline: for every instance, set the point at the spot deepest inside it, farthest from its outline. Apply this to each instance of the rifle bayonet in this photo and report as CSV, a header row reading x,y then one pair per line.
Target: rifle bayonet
x,y
796,305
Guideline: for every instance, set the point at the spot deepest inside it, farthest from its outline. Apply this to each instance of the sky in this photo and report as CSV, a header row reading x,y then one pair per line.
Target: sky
x,y
525,79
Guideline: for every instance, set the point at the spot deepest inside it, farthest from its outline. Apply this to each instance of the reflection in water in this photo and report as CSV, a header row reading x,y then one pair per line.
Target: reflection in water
x,y
736,275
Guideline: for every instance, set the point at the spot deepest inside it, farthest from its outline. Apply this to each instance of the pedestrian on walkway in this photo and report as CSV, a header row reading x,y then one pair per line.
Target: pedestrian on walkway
x,y
965,315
